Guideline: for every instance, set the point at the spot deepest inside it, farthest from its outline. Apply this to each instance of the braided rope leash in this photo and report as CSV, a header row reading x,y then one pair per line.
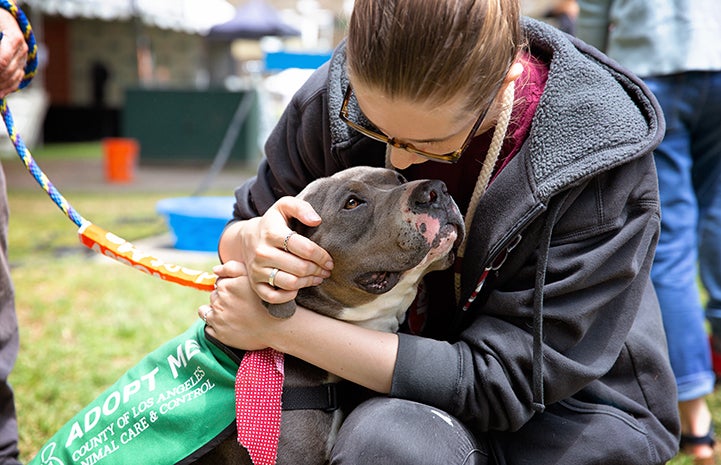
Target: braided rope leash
x,y
482,182
91,236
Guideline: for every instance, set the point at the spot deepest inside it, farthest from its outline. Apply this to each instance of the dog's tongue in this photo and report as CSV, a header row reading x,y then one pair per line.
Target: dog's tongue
x,y
378,282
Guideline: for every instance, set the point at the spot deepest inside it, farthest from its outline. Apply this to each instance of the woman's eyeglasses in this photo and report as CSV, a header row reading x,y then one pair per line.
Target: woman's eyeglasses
x,y
450,157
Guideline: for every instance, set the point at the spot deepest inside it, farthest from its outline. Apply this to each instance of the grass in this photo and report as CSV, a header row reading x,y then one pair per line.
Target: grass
x,y
46,230
83,324
84,320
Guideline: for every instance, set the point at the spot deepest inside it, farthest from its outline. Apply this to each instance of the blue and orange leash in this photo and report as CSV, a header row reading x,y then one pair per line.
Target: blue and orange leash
x,y
91,236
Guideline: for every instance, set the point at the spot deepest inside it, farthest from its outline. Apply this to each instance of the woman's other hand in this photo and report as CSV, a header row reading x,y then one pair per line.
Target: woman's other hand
x,y
278,262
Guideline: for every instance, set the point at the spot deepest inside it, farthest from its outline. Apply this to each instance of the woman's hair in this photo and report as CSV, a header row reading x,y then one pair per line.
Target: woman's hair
x,y
433,50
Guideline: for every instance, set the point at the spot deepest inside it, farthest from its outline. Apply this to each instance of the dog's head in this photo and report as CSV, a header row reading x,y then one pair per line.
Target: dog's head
x,y
384,234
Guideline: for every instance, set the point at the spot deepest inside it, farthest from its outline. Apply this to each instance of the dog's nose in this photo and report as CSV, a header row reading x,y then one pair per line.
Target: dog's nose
x,y
428,195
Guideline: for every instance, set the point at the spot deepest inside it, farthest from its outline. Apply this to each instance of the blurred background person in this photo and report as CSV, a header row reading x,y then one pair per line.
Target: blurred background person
x,y
560,13
674,46
13,60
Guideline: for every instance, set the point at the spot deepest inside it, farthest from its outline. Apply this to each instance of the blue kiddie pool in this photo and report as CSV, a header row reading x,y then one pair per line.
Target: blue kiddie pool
x,y
196,222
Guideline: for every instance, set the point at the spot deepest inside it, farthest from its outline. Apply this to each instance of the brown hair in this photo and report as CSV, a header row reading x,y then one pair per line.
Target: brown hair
x,y
433,50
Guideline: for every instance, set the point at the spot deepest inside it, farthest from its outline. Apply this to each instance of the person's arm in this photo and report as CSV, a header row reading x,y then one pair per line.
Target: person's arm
x,y
360,355
13,52
596,292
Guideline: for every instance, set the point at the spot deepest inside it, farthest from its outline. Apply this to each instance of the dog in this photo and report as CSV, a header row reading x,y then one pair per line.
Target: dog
x,y
384,235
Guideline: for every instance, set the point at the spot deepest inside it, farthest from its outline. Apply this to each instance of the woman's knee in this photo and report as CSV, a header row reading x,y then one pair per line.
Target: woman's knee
x,y
395,431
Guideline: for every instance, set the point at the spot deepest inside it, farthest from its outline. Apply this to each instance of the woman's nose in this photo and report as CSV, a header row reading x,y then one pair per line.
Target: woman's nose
x,y
402,159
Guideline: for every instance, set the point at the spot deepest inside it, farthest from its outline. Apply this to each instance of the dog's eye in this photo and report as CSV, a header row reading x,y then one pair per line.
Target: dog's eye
x,y
401,179
352,202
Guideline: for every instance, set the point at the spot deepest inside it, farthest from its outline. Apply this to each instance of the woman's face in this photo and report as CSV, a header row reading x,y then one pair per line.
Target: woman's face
x,y
433,128
436,129
430,127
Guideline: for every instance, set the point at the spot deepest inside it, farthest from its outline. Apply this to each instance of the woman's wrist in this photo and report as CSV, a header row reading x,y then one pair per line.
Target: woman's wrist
x,y
363,356
230,245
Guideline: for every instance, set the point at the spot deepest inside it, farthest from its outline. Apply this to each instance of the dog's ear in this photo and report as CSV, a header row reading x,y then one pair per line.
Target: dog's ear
x,y
282,311
287,309
300,228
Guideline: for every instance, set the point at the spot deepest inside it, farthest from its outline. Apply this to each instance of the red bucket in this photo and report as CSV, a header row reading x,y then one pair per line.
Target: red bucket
x,y
121,157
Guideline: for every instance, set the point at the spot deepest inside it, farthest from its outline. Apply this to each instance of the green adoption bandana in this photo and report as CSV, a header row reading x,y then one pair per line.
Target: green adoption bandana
x,y
168,409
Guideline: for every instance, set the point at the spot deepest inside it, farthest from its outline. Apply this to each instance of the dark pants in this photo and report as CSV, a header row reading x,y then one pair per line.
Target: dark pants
x,y
397,432
388,431
8,343
8,420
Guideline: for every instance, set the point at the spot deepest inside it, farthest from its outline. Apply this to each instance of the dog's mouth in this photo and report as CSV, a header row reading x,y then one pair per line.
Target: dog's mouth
x,y
450,230
454,228
446,244
378,282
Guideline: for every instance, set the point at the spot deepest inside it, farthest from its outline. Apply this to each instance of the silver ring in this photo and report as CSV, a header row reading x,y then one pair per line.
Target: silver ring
x,y
206,313
271,276
285,241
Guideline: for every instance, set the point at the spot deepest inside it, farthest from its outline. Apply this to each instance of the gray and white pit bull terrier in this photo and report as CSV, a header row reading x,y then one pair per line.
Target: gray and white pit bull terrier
x,y
384,235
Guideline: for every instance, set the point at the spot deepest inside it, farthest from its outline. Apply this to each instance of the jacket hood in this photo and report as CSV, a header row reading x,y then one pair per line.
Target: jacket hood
x,y
602,130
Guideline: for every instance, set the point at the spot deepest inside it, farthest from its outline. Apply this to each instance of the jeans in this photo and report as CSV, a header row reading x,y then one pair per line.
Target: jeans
x,y
688,162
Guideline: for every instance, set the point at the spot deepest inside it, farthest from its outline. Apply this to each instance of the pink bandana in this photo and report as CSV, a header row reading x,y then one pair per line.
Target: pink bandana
x,y
258,391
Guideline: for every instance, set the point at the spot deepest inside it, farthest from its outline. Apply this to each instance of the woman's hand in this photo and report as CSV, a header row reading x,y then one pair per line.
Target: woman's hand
x,y
235,315
278,262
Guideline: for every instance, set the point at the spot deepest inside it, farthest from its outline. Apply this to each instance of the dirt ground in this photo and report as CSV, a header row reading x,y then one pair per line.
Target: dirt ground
x,y
88,175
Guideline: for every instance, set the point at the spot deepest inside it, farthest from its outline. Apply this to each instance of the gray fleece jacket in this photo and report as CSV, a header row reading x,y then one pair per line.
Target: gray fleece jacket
x,y
561,356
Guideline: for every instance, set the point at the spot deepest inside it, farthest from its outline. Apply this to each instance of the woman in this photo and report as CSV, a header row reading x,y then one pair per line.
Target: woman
x,y
550,348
